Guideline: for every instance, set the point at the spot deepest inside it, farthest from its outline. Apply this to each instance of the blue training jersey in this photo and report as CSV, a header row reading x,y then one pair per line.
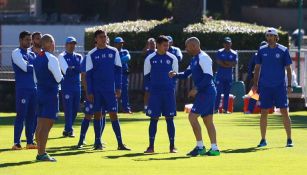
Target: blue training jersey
x,y
273,62
22,61
201,70
103,70
176,51
148,52
125,58
47,71
224,55
156,69
70,64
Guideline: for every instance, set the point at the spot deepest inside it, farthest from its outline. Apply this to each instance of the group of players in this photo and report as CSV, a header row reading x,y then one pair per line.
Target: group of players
x,y
104,75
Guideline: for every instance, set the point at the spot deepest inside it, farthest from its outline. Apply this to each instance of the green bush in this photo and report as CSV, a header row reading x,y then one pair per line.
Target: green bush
x,y
211,33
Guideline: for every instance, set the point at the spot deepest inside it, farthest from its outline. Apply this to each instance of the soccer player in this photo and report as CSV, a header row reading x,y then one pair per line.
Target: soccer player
x,y
174,50
103,78
226,58
48,76
251,66
125,58
26,91
36,42
162,98
201,70
149,49
70,63
271,62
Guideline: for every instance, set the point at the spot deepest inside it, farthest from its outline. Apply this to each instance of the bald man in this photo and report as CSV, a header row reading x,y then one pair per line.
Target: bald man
x,y
205,93
47,75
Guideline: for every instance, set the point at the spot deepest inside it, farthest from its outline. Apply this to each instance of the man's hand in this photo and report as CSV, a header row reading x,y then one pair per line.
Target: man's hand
x,y
192,93
118,93
90,98
171,74
289,89
255,88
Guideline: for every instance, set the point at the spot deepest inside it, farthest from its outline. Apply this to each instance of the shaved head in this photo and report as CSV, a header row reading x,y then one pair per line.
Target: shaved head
x,y
193,40
192,46
47,42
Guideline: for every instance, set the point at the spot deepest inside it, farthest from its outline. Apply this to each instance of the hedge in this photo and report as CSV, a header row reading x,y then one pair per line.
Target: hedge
x,y
245,36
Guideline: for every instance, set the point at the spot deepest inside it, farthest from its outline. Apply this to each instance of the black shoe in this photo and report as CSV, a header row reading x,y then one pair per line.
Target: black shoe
x,y
289,143
123,147
98,147
65,133
71,134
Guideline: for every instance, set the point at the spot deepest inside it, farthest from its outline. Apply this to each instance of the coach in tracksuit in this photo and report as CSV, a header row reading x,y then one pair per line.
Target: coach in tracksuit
x,y
70,63
22,61
125,58
48,76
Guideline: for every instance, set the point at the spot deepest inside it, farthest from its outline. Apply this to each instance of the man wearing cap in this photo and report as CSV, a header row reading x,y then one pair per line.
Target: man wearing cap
x,y
226,58
124,57
251,66
70,63
271,62
174,50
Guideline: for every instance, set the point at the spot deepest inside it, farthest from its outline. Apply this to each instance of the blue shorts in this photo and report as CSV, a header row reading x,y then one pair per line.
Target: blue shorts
x,y
161,103
88,108
204,103
273,96
105,102
48,103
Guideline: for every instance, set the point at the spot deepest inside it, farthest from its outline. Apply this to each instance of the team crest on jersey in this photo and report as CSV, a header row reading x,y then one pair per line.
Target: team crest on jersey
x,y
91,106
66,96
23,101
230,56
110,55
149,111
168,62
277,55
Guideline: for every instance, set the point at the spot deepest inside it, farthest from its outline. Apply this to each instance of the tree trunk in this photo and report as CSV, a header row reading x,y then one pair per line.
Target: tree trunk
x,y
187,11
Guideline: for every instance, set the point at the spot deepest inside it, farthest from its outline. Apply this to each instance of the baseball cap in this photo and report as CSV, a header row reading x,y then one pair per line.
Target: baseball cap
x,y
71,39
119,40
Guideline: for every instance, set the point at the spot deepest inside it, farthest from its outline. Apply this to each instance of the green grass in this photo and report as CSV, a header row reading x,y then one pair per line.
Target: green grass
x,y
238,134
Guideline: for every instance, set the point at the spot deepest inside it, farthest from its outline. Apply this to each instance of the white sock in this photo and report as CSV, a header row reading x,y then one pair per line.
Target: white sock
x,y
200,144
214,147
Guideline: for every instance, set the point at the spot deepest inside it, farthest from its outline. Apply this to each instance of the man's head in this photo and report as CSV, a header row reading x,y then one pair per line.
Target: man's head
x,y
36,37
227,43
192,46
162,44
119,42
70,44
151,44
101,38
170,40
25,39
48,43
271,36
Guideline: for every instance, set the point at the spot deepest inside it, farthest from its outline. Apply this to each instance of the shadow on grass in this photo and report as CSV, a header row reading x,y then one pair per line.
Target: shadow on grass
x,y
166,158
131,155
244,150
5,165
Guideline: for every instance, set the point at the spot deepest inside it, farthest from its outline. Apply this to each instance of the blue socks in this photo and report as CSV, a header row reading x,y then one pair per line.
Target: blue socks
x,y
116,129
18,127
84,127
103,124
97,129
171,131
152,132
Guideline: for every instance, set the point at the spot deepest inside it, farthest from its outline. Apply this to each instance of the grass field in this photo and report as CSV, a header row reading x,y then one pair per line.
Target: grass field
x,y
238,134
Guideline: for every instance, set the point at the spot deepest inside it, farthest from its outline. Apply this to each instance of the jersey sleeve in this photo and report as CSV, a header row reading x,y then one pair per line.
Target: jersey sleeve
x,y
287,58
258,59
63,64
20,62
54,67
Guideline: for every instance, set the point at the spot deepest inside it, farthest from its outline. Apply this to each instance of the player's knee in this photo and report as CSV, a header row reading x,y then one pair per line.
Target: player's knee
x,y
88,117
113,116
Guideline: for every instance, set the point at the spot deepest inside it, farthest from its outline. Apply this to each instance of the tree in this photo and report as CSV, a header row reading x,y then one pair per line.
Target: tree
x,y
187,11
